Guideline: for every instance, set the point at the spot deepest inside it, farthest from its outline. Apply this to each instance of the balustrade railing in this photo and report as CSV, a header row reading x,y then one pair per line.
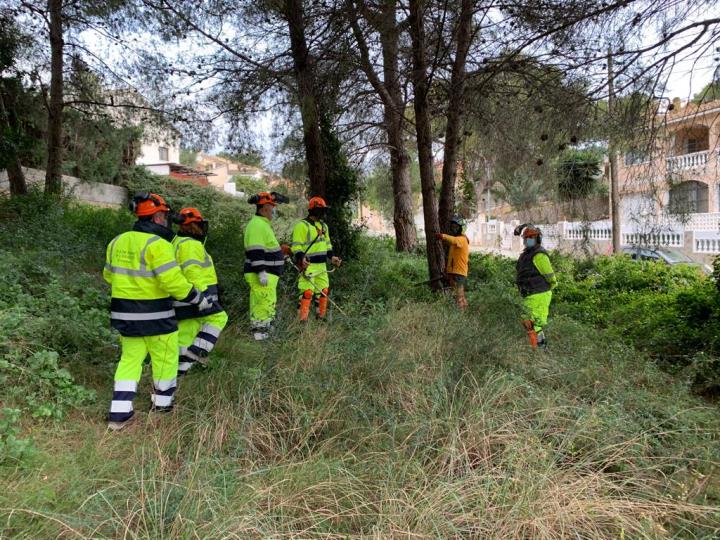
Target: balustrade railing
x,y
666,239
687,161
706,242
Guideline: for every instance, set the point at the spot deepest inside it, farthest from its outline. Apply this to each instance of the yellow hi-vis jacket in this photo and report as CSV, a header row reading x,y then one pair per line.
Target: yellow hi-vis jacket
x,y
304,241
141,269
262,250
197,266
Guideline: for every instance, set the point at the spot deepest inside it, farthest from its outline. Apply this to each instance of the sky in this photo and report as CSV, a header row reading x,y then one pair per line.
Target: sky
x,y
689,74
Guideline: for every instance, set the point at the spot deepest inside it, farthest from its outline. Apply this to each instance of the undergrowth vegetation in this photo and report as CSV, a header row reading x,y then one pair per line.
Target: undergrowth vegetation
x,y
670,312
400,417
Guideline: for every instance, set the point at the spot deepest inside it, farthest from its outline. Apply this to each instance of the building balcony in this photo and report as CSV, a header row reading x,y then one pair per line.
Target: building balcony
x,y
696,160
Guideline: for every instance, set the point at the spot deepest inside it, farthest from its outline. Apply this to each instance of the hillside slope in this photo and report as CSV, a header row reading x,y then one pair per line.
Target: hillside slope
x,y
403,418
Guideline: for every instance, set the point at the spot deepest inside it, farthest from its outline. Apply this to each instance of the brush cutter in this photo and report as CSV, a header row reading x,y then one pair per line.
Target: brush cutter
x,y
429,281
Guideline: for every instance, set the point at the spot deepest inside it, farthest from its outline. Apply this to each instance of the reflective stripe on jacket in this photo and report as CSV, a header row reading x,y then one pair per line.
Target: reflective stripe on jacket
x,y
197,266
144,276
529,280
304,234
262,250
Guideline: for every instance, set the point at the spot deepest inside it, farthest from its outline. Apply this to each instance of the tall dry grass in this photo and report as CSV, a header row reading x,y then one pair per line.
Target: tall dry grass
x,y
413,422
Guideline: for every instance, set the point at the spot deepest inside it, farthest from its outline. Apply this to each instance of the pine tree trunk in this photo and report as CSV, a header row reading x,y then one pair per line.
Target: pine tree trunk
x,y
394,118
405,234
16,176
53,173
435,255
307,98
454,115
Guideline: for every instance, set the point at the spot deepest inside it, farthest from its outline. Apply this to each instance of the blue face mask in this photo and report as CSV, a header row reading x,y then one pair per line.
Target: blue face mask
x,y
530,242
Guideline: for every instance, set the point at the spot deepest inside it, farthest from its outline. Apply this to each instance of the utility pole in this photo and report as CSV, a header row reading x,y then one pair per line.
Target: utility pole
x,y
614,192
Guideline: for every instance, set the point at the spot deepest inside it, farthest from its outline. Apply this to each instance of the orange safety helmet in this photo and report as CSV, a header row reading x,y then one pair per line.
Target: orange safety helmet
x,y
190,215
317,202
145,203
263,198
528,230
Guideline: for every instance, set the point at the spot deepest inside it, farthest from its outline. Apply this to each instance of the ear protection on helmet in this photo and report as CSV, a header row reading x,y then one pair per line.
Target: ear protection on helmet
x,y
279,198
268,198
139,197
145,203
528,230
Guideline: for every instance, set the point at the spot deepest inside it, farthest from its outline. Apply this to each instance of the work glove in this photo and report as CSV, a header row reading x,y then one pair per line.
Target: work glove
x,y
205,302
262,276
336,261
285,250
438,236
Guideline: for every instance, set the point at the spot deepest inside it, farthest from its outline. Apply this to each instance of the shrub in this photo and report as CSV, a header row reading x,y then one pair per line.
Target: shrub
x,y
53,306
671,312
12,448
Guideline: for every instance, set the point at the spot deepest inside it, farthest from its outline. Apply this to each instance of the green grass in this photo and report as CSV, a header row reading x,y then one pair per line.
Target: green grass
x,y
402,419
414,421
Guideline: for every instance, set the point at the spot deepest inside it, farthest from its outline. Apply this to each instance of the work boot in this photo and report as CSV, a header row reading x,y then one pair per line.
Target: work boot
x,y
532,335
203,359
117,426
165,409
541,340
261,330
186,361
305,304
322,304
461,300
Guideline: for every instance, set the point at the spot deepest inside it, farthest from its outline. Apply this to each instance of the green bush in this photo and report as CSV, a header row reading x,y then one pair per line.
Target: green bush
x,y
53,303
12,448
670,312
249,184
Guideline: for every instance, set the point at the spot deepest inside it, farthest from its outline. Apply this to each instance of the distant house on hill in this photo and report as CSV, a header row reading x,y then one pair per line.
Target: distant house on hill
x,y
160,154
159,148
223,172
220,169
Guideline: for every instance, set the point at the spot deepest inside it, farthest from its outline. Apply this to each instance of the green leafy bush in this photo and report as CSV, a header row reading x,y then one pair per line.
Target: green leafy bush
x,y
53,306
12,448
670,312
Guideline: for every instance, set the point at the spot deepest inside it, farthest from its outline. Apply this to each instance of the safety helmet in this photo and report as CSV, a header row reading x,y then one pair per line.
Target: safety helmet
x,y
265,197
317,202
145,203
460,222
190,215
185,217
262,198
528,230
